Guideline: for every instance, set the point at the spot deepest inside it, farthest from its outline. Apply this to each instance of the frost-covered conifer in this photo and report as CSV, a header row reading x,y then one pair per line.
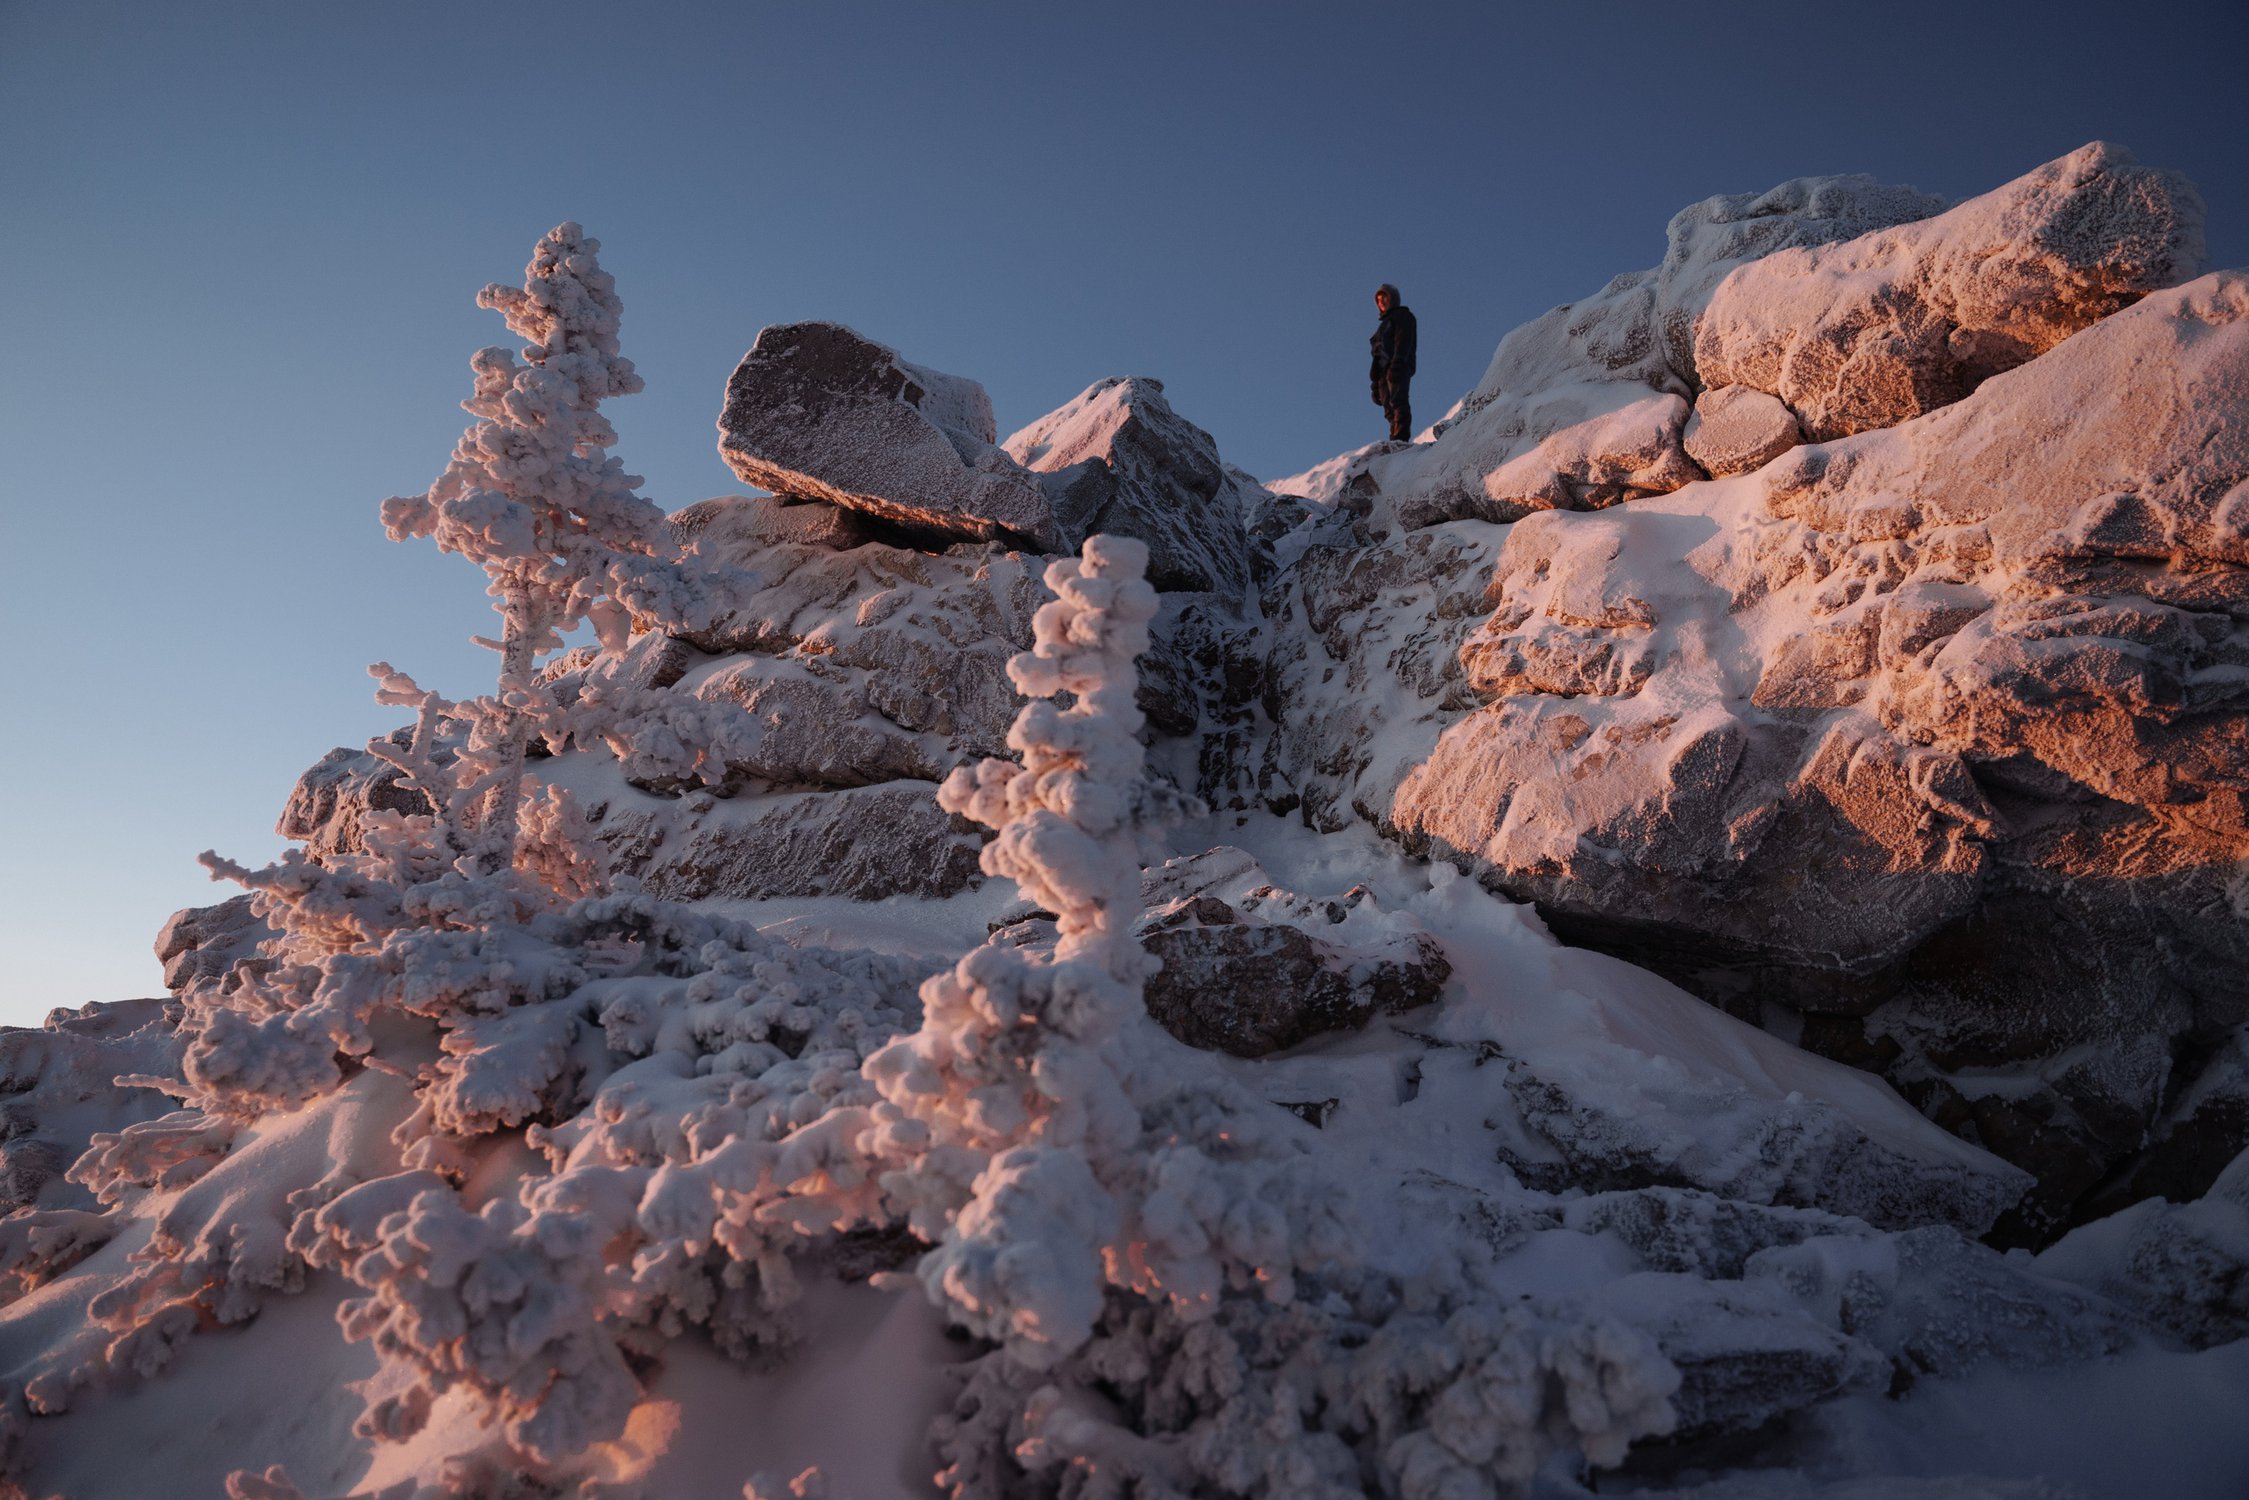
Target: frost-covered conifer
x,y
534,498
1047,1146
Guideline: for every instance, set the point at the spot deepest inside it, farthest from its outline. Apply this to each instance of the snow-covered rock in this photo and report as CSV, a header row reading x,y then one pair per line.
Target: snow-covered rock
x,y
328,806
1251,969
866,843
1288,1165
1249,980
1736,428
817,412
206,942
1597,359
1821,724
2183,1266
1363,670
1118,459
1878,329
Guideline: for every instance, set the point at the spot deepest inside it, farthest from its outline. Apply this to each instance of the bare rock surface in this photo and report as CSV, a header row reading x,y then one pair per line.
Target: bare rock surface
x,y
1881,328
817,412
1118,459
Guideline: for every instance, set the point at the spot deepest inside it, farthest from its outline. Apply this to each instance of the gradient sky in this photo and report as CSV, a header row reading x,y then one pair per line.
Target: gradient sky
x,y
240,245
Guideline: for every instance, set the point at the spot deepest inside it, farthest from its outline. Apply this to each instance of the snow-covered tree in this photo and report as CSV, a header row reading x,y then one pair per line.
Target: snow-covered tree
x,y
1050,1146
534,498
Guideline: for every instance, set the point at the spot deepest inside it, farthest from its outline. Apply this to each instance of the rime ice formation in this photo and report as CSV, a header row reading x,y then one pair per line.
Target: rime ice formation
x,y
943,1020
1118,459
815,412
2004,719
1872,331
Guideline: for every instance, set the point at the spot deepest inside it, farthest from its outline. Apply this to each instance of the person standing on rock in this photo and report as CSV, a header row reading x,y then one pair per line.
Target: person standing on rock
x,y
1392,372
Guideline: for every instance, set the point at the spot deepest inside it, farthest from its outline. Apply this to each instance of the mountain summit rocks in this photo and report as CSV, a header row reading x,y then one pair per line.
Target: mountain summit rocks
x,y
1848,620
1872,331
1922,745
1119,459
817,412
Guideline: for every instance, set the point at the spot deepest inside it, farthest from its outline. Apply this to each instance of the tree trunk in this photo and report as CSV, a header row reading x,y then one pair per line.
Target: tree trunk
x,y
500,823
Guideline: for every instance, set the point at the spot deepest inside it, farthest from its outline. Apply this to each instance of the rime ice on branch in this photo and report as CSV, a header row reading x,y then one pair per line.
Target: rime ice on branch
x,y
1022,1108
533,497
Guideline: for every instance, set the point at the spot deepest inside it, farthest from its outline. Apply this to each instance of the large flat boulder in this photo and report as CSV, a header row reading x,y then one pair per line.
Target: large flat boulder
x,y
818,412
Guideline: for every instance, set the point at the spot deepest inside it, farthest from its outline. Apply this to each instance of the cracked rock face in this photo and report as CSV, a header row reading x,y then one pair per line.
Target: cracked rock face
x,y
816,412
1910,735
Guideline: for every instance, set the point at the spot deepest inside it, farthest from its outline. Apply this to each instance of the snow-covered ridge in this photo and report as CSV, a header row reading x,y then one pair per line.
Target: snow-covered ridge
x,y
739,1048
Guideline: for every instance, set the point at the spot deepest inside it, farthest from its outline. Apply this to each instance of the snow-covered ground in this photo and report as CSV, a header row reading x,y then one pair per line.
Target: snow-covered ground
x,y
899,1017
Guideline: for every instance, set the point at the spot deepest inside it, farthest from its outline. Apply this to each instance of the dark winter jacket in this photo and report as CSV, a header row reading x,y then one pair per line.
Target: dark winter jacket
x,y
1393,344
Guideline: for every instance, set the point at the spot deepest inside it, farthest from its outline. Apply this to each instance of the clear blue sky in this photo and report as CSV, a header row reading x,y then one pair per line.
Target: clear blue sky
x,y
239,246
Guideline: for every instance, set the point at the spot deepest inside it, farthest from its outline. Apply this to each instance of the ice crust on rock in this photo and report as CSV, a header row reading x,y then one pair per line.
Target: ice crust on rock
x,y
817,412
1881,328
1118,459
1596,360
1918,747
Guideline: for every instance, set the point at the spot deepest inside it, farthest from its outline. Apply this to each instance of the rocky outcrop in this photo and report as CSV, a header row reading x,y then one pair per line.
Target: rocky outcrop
x,y
328,807
1602,360
1882,328
1119,460
206,942
816,412
834,680
1912,732
1853,304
